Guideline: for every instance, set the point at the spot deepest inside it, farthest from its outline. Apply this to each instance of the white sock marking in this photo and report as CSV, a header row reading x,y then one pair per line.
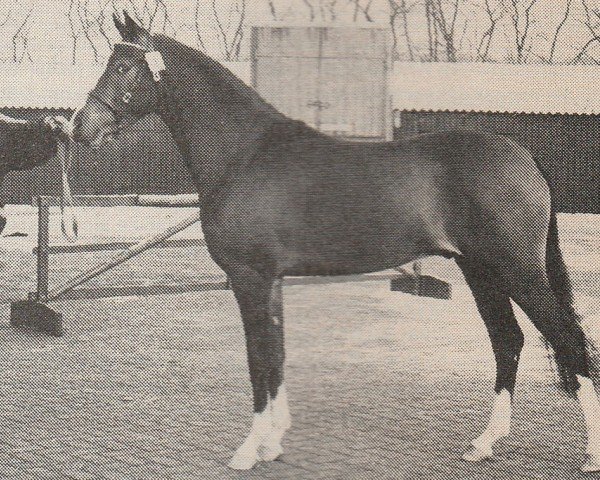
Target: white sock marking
x,y
271,447
247,455
281,413
588,400
499,424
268,428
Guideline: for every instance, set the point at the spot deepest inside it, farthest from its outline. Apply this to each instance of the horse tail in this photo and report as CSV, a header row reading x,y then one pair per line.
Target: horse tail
x,y
561,285
556,268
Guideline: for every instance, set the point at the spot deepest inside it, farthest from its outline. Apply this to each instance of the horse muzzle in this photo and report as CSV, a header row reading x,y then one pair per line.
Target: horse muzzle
x,y
94,124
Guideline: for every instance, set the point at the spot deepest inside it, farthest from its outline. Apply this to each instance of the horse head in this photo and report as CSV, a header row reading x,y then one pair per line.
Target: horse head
x,y
126,91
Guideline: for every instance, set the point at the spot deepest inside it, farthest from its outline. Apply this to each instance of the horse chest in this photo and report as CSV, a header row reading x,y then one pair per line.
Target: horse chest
x,y
238,237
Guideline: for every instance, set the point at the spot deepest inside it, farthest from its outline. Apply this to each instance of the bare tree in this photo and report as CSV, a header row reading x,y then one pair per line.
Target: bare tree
x,y
9,13
81,22
520,14
89,21
311,9
592,23
75,29
560,26
197,30
443,18
231,28
272,9
483,49
91,18
153,14
432,33
399,11
20,39
323,10
362,8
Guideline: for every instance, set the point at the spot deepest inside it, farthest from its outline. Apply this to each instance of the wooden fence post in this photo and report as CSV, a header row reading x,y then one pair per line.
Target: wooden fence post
x,y
43,253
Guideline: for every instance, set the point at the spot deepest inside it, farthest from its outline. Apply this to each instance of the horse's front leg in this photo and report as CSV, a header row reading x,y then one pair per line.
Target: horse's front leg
x,y
260,302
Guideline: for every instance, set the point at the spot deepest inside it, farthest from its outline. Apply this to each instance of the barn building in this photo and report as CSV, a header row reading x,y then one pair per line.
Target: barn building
x,y
552,110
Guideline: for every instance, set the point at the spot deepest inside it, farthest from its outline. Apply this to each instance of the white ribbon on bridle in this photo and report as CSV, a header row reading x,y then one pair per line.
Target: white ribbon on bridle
x,y
154,59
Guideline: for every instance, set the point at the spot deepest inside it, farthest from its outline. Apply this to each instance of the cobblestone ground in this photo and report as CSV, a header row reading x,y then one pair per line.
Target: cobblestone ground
x,y
382,385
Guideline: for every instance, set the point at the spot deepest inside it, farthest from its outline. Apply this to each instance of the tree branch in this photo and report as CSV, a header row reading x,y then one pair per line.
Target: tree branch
x,y
584,49
558,29
199,39
360,8
272,9
486,40
21,37
311,9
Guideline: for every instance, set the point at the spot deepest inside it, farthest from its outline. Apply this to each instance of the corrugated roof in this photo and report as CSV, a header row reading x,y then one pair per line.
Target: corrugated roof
x,y
38,85
474,87
487,87
33,85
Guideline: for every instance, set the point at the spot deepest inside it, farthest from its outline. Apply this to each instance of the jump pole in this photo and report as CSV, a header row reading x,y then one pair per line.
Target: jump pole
x,y
421,285
35,314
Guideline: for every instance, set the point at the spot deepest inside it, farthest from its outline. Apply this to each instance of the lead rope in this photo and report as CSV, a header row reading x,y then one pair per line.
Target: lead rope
x,y
68,219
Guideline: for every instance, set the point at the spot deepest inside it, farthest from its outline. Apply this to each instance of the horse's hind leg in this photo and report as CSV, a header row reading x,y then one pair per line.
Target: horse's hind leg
x,y
560,327
507,341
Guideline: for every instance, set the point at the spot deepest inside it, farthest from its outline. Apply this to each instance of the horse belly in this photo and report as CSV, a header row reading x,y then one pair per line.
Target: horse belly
x,y
372,224
327,253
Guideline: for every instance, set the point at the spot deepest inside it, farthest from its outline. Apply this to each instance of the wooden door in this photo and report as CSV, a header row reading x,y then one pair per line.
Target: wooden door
x,y
332,78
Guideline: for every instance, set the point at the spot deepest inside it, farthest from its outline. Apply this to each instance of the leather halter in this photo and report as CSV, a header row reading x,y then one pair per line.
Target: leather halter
x,y
155,63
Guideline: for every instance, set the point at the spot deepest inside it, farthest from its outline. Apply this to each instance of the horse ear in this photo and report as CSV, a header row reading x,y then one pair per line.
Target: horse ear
x,y
120,25
135,32
132,26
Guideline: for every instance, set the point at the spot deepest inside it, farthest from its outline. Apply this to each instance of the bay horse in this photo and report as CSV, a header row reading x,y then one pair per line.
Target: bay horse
x,y
279,198
27,144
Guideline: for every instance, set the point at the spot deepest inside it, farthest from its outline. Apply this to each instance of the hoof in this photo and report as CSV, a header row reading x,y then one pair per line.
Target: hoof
x,y
269,453
475,455
591,464
242,461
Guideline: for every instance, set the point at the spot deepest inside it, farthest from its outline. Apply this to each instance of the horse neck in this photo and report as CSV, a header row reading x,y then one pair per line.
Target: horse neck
x,y
213,138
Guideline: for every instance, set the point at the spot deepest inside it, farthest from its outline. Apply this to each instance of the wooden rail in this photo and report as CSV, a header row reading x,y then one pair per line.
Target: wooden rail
x,y
185,200
128,249
100,247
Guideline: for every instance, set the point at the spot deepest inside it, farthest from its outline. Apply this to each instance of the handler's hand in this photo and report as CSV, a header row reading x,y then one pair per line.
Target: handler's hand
x,y
59,125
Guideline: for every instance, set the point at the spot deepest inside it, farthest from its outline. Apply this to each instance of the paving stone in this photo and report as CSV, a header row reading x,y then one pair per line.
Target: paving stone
x,y
381,385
